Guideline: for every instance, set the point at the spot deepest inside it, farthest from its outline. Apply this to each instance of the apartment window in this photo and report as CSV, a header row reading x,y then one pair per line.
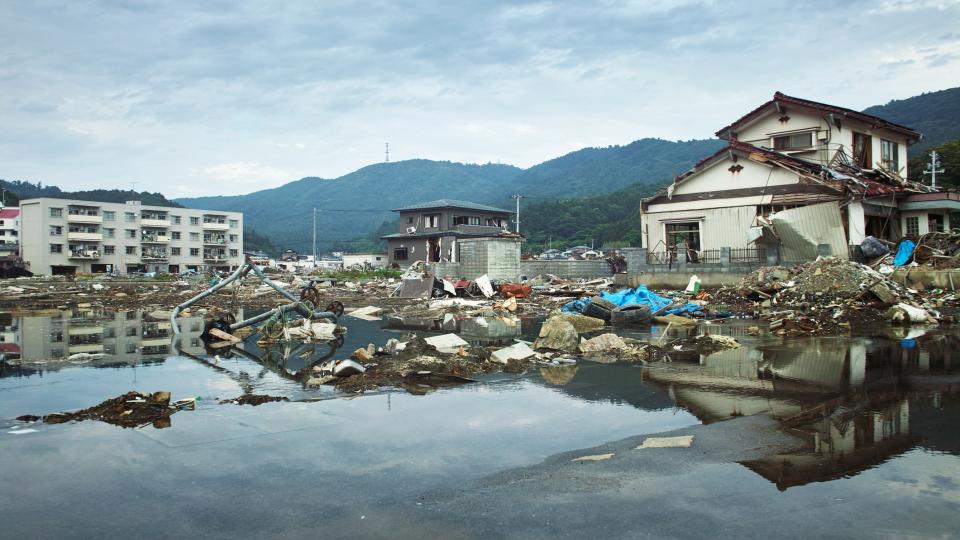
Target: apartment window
x,y
400,254
794,141
234,223
234,253
175,235
131,315
56,248
862,150
56,230
233,238
890,155
131,331
109,250
913,226
194,237
129,217
130,233
175,219
109,233
109,215
686,232
56,336
194,252
175,251
131,250
56,212
431,220
194,221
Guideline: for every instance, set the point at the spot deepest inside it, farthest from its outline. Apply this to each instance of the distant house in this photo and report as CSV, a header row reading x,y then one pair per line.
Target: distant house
x,y
364,260
429,231
258,258
550,254
826,174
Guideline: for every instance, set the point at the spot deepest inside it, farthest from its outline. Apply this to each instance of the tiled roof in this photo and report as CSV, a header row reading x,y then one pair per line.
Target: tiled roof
x,y
778,97
451,203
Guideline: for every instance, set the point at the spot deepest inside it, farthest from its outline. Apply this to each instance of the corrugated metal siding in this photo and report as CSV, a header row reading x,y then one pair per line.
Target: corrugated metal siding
x,y
720,227
801,229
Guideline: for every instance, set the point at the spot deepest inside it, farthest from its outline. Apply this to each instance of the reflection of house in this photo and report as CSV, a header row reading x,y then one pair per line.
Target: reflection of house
x,y
782,157
429,231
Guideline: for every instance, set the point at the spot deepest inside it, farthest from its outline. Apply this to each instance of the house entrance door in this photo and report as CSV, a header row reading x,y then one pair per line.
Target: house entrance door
x,y
434,251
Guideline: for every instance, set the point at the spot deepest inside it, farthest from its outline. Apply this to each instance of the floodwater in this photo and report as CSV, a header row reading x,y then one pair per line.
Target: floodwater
x,y
873,422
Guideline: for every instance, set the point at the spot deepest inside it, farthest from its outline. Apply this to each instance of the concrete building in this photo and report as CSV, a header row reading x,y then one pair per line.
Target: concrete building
x,y
430,231
9,234
782,158
62,236
364,260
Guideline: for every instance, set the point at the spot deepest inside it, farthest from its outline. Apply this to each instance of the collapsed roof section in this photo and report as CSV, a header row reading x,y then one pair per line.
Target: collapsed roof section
x,y
781,100
841,178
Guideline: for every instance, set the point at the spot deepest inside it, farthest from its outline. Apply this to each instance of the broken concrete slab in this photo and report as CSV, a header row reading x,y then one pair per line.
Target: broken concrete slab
x,y
682,441
582,323
517,351
602,343
594,457
447,343
368,313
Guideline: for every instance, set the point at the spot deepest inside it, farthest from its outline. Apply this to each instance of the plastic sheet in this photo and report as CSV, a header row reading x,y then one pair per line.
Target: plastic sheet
x,y
904,252
641,295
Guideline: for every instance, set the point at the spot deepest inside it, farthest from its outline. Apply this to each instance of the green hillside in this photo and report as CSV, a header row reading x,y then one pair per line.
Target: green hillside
x,y
935,114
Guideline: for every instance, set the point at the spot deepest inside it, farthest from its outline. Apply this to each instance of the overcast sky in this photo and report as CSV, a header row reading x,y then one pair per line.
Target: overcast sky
x,y
215,97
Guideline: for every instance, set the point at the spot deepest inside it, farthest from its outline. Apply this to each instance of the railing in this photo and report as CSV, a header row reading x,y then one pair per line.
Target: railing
x,y
707,256
754,254
661,257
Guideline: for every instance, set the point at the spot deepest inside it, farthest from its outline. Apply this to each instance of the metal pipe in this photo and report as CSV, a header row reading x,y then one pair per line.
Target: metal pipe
x,y
239,272
269,282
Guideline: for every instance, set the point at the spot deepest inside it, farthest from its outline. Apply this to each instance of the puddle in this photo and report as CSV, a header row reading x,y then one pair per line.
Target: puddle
x,y
863,408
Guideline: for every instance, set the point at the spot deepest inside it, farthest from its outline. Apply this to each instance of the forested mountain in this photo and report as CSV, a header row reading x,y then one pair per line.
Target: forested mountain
x,y
353,206
18,190
935,114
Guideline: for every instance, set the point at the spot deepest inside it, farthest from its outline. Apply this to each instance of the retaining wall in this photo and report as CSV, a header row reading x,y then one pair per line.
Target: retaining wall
x,y
566,269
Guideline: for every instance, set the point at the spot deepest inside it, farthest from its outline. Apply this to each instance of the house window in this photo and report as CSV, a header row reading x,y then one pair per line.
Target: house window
x,y
56,248
194,252
935,223
109,250
130,233
400,254
194,221
889,155
176,219
431,220
494,222
194,237
409,221
131,250
56,230
129,217
794,141
109,233
685,232
459,220
109,215
56,212
913,226
175,251
862,150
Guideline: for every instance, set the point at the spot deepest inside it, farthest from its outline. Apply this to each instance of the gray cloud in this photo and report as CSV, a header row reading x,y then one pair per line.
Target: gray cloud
x,y
175,93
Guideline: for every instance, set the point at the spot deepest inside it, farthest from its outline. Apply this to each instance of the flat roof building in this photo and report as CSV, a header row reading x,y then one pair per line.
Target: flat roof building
x,y
66,236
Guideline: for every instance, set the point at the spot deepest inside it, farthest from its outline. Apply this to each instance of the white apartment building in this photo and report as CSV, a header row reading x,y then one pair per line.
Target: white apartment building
x,y
9,232
63,236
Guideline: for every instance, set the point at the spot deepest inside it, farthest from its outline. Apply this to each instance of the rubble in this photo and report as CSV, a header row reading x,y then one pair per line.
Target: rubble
x,y
557,334
129,410
518,351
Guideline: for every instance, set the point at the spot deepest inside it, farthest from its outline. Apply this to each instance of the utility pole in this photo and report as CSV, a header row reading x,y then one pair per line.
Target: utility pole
x,y
517,196
314,237
933,168
133,186
387,159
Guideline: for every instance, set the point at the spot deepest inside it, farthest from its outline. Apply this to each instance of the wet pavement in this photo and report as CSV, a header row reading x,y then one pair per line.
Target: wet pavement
x,y
835,437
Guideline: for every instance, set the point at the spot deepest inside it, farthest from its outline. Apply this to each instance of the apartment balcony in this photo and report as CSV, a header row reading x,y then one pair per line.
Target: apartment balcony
x,y
84,218
144,239
215,258
88,236
154,257
216,226
84,330
154,342
479,230
86,348
162,223
214,241
81,254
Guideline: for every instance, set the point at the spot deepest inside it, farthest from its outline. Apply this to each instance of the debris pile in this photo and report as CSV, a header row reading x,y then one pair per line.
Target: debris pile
x,y
129,410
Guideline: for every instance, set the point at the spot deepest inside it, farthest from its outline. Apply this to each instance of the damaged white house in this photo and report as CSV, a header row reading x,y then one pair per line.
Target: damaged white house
x,y
795,176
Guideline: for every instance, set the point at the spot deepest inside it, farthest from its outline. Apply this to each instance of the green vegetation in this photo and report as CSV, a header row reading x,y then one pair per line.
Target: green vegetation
x,y
935,114
357,275
254,241
26,190
949,162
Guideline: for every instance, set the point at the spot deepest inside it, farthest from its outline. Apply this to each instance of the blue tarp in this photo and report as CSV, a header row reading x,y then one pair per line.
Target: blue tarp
x,y
904,251
641,295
